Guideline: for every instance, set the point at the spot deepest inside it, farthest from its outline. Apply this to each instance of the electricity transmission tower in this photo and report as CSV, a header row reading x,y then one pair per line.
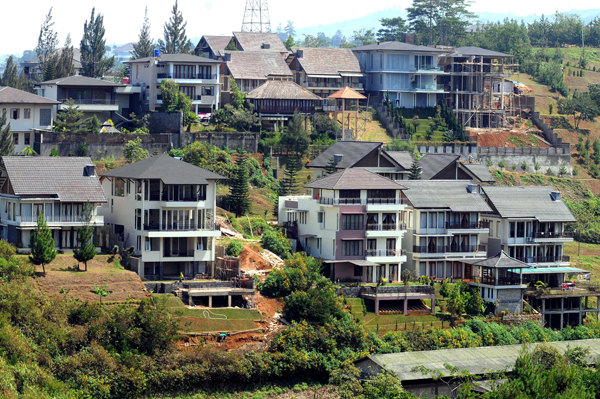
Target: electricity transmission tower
x,y
256,17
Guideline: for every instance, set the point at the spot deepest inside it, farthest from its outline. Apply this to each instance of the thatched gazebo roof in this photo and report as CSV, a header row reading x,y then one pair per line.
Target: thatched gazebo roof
x,y
347,93
281,90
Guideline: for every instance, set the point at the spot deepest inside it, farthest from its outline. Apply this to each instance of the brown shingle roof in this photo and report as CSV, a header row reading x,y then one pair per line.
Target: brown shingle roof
x,y
328,61
8,95
355,179
282,90
217,43
77,80
257,65
253,41
62,177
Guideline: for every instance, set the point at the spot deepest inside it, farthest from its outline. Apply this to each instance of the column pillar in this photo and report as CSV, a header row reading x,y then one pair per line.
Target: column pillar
x,y
405,305
376,305
252,301
228,300
210,301
433,304
160,270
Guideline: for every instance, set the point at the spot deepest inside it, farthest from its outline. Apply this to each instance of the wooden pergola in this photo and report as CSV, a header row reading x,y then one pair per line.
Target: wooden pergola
x,y
353,97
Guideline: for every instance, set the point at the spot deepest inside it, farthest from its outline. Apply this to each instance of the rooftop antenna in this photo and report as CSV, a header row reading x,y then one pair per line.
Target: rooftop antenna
x,y
256,17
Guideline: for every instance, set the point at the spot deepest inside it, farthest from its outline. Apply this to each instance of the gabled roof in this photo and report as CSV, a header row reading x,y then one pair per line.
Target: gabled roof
x,y
528,202
477,51
327,61
253,41
8,95
502,261
351,151
217,43
432,164
77,80
444,194
165,168
282,90
347,93
182,58
257,65
479,172
60,177
402,158
399,46
354,179
125,47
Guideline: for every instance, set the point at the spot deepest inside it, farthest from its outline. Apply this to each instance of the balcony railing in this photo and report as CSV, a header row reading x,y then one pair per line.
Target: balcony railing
x,y
179,254
91,101
181,227
544,259
59,219
322,84
385,252
551,234
361,201
200,76
427,249
193,198
467,225
386,227
284,109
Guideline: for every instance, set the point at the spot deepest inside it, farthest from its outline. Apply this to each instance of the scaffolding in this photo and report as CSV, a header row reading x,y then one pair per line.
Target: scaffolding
x,y
477,89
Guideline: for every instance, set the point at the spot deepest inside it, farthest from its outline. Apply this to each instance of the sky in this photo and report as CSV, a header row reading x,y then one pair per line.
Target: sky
x,y
123,20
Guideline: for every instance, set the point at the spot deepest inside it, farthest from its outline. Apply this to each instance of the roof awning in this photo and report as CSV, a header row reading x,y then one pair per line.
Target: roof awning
x,y
307,235
294,210
325,76
352,74
356,262
551,270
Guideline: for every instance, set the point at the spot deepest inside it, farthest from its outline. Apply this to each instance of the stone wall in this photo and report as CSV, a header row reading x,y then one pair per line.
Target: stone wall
x,y
518,319
166,122
356,292
511,299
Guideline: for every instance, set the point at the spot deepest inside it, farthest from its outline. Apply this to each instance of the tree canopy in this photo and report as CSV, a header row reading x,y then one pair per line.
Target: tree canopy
x,y
144,46
175,40
93,48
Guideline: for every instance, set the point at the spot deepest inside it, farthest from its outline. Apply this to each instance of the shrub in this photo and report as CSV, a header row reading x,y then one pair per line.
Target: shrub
x,y
275,241
524,166
234,248
501,164
7,250
549,172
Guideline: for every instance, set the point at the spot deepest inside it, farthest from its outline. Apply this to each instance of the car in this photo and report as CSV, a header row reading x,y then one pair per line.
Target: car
x,y
204,117
567,286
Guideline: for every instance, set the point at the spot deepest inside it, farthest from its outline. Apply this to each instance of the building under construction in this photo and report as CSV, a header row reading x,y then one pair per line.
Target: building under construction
x,y
476,86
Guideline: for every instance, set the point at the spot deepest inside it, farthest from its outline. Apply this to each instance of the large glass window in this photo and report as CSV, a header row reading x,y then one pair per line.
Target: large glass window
x,y
119,187
352,248
352,222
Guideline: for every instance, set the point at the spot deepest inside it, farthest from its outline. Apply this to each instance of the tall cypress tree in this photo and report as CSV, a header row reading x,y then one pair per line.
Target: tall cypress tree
x,y
10,77
239,199
289,183
64,64
415,169
46,48
85,236
330,168
175,39
42,244
7,143
144,47
93,48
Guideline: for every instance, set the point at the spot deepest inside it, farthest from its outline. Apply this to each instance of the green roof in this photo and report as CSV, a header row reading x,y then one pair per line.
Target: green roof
x,y
547,270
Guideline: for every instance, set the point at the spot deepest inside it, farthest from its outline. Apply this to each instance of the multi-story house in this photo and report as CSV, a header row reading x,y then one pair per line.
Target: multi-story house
x,y
24,112
102,98
198,78
252,69
33,71
122,53
406,72
166,209
447,229
259,41
212,46
59,188
325,70
355,220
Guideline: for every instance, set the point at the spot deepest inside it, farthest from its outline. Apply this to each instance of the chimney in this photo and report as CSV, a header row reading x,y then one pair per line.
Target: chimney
x,y
337,158
299,53
89,170
555,195
227,57
266,46
473,188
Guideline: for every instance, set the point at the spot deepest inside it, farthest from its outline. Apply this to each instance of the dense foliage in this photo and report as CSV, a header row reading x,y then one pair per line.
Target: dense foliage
x,y
208,157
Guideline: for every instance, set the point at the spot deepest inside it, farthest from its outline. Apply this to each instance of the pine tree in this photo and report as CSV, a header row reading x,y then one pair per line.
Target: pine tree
x,y
415,169
93,48
296,138
289,183
239,199
42,244
46,48
10,77
85,236
7,142
64,64
237,97
144,47
289,43
330,168
70,119
175,39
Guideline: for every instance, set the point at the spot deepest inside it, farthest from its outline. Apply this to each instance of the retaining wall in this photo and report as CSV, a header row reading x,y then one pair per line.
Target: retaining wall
x,y
248,141
356,292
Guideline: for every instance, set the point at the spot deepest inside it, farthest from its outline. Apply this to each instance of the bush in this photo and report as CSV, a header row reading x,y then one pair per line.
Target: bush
x,y
234,248
275,241
7,250
299,274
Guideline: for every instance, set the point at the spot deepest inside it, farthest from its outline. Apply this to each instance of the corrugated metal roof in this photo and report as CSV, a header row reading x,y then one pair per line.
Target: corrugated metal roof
x,y
441,194
77,80
528,202
399,46
477,51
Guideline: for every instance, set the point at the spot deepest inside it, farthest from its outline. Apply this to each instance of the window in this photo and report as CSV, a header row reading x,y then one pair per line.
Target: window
x,y
512,229
119,187
15,113
352,222
45,117
152,244
208,91
497,229
137,71
380,61
358,271
491,229
521,229
27,135
423,220
433,220
27,113
320,217
185,71
203,244
189,91
352,248
380,78
16,137
138,219
302,218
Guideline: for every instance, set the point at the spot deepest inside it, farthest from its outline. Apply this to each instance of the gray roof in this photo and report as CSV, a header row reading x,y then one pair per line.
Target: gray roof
x,y
502,261
444,194
60,177
77,80
281,90
403,158
352,152
253,41
165,168
480,360
355,179
477,51
8,95
182,58
257,65
479,171
528,202
399,46
125,47
328,61
432,164
217,43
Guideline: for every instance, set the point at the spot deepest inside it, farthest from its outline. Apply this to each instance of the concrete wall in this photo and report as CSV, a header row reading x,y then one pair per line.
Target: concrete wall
x,y
248,141
355,292
518,319
511,299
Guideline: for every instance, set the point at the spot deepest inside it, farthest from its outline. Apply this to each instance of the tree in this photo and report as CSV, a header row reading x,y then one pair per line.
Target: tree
x,y
70,120
336,40
7,142
363,37
237,97
311,41
581,106
234,248
290,30
280,32
144,46
392,30
175,100
28,151
231,46
10,77
239,198
346,44
455,301
439,21
175,38
101,291
345,377
86,250
296,137
133,151
46,47
64,64
42,244
93,48
289,184
330,168
415,169
289,43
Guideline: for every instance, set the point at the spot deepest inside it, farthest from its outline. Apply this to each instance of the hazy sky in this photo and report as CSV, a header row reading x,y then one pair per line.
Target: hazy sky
x,y
21,21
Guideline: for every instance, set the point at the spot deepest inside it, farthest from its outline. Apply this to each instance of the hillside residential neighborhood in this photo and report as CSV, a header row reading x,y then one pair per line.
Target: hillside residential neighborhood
x,y
402,209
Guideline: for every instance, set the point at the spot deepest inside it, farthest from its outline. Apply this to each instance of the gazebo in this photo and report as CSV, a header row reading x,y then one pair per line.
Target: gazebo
x,y
353,97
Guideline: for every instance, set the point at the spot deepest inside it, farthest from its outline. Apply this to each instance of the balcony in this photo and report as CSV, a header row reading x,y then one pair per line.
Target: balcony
x,y
89,104
542,236
181,253
181,227
385,230
467,225
386,255
53,220
199,78
428,249
323,84
285,109
362,201
544,259
431,87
